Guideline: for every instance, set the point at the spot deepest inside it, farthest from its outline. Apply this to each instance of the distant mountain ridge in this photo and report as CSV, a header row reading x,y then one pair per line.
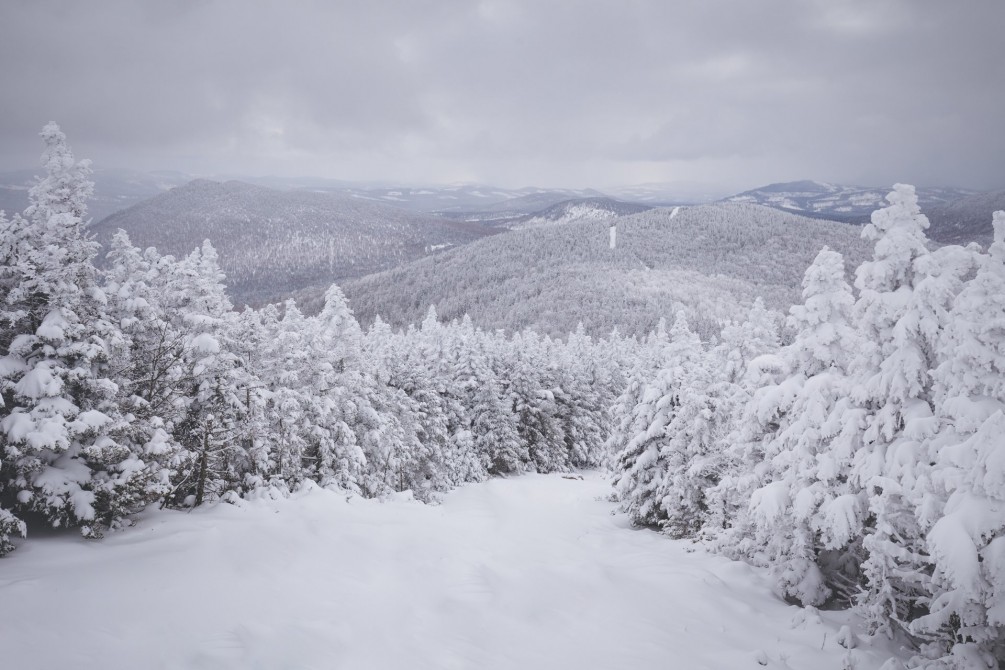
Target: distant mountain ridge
x,y
967,219
273,242
578,209
712,260
459,199
117,189
957,216
853,204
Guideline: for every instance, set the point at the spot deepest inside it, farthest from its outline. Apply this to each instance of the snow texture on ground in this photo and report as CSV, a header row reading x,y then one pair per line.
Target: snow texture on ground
x,y
527,572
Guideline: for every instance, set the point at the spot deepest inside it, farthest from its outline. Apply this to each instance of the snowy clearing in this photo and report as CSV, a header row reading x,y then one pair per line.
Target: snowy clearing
x,y
526,572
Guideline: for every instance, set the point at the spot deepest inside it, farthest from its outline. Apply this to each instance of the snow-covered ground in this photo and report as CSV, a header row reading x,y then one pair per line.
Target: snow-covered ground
x,y
528,572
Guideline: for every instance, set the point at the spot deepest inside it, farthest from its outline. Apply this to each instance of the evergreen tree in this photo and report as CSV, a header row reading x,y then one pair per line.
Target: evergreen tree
x,y
214,409
625,422
347,454
64,443
687,449
733,388
966,617
904,296
642,467
150,375
804,506
586,400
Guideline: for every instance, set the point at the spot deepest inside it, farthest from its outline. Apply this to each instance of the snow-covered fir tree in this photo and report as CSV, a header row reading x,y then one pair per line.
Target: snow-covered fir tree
x,y
801,508
902,316
966,602
66,448
642,465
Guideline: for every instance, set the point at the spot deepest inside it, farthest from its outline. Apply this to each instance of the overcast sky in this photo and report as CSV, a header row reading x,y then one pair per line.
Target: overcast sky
x,y
724,94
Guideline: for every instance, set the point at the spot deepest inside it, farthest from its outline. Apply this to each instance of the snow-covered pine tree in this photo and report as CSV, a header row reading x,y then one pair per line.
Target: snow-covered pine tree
x,y
347,453
641,468
274,424
496,425
804,506
532,393
10,276
414,363
376,410
746,457
690,438
904,297
966,607
625,421
489,417
739,345
149,365
65,451
214,409
587,395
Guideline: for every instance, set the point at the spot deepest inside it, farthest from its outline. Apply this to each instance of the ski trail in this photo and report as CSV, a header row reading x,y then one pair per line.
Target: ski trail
x,y
527,572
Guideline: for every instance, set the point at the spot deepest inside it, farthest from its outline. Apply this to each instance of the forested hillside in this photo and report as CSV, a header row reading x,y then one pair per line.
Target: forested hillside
x,y
713,260
579,209
837,201
466,201
274,242
966,220
956,216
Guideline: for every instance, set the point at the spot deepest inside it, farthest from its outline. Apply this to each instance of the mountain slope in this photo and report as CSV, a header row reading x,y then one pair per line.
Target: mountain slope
x,y
273,242
966,220
712,259
841,203
578,209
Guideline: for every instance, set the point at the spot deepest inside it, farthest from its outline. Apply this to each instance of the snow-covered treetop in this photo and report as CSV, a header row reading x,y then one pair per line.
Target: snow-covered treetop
x,y
680,331
997,249
67,186
899,233
432,320
825,336
903,207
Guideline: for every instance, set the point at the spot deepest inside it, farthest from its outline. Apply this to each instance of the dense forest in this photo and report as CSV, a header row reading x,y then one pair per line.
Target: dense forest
x,y
272,242
861,461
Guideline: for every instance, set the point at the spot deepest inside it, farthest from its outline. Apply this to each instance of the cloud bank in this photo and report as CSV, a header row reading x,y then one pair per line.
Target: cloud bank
x,y
730,93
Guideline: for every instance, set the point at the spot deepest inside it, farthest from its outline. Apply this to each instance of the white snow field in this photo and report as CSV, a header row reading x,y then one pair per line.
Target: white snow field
x,y
527,572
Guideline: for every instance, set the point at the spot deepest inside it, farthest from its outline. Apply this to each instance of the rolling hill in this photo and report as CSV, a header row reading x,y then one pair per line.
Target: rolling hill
x,y
966,220
836,202
579,209
274,242
712,259
474,201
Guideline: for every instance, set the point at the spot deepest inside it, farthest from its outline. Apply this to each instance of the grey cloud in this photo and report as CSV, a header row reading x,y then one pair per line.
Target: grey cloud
x,y
532,91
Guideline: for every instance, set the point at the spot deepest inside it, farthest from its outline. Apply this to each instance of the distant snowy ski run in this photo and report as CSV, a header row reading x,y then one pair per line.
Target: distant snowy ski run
x,y
527,572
